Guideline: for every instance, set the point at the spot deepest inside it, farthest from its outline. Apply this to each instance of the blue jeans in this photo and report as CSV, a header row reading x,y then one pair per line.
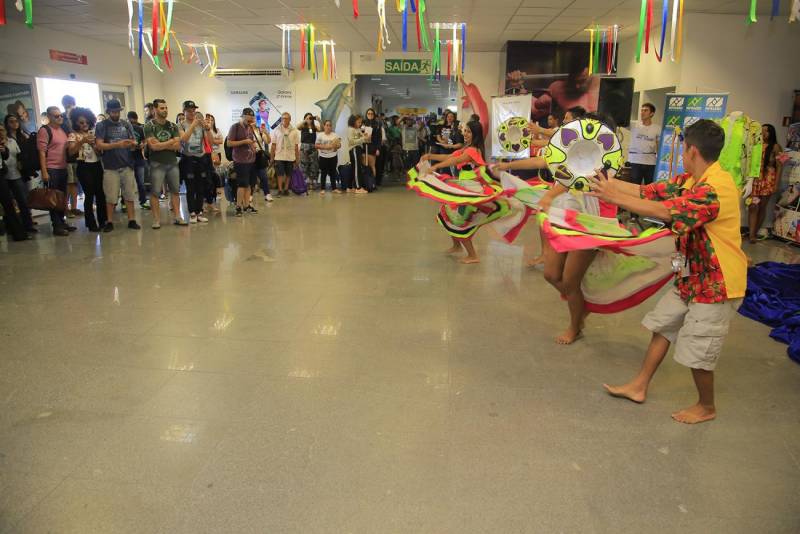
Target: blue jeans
x,y
58,180
138,171
262,176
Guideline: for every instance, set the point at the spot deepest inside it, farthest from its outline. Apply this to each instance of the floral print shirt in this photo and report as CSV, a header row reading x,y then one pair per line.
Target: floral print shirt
x,y
692,207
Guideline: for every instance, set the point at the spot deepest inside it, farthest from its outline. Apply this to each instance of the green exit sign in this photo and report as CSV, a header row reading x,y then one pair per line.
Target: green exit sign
x,y
407,66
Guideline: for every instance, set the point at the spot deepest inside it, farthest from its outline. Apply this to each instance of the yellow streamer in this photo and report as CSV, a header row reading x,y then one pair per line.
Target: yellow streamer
x,y
216,59
591,51
180,48
680,32
325,60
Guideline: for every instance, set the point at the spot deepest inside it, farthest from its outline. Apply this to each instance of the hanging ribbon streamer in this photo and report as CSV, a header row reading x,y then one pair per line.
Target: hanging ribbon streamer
x,y
608,50
289,48
166,30
312,51
302,48
421,9
2,12
413,6
154,26
455,53
794,11
674,32
283,48
601,49
29,13
130,26
664,17
405,30
419,37
647,28
333,61
591,50
463,47
598,35
141,27
355,9
325,60
437,54
180,48
150,54
776,9
616,39
216,58
680,31
640,35
751,19
383,30
449,54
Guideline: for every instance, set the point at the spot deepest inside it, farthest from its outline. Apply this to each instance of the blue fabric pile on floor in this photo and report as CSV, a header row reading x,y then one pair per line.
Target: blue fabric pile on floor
x,y
773,298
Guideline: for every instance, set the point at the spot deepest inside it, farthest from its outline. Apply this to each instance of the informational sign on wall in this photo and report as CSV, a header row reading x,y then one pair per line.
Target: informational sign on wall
x,y
267,98
68,57
407,66
681,111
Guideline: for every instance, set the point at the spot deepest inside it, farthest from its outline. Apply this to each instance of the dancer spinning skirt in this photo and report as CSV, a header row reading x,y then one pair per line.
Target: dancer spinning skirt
x,y
470,201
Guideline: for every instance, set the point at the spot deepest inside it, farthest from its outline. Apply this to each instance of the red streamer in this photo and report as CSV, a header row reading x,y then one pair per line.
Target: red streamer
x,y
419,41
449,55
609,49
355,9
2,12
154,29
303,48
647,28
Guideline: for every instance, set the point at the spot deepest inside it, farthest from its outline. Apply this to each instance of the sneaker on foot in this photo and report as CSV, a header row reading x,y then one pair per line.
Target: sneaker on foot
x,y
180,222
202,218
251,209
238,212
156,225
193,218
133,225
268,198
108,227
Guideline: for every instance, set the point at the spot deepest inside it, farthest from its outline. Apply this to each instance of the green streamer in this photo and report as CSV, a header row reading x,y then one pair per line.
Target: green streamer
x,y
596,66
421,8
642,17
308,46
169,26
437,55
752,17
29,13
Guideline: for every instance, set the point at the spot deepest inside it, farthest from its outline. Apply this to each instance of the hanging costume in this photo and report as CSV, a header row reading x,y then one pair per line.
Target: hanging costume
x,y
741,154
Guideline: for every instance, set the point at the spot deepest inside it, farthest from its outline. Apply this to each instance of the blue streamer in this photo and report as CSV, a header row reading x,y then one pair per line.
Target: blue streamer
x,y
463,47
413,6
141,31
602,48
289,49
405,29
776,9
664,17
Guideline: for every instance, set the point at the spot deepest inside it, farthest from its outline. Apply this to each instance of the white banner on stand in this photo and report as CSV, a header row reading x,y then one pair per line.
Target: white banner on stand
x,y
504,108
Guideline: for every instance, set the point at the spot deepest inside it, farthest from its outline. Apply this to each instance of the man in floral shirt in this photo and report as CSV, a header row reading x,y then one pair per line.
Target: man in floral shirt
x,y
702,209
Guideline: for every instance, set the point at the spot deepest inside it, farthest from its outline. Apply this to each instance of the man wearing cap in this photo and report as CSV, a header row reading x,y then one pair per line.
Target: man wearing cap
x,y
195,132
241,138
116,139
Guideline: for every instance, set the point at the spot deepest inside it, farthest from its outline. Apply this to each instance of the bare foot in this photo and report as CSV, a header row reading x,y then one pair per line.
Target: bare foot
x,y
469,260
628,391
535,261
569,337
453,249
696,414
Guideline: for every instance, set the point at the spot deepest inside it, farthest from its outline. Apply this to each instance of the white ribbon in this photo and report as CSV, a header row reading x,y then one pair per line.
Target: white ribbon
x,y
674,29
130,27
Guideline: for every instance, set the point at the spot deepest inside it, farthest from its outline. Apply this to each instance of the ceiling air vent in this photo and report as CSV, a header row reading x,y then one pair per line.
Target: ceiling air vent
x,y
226,73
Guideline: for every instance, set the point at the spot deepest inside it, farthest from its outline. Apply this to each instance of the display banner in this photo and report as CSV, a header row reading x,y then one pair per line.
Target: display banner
x,y
504,108
267,98
682,110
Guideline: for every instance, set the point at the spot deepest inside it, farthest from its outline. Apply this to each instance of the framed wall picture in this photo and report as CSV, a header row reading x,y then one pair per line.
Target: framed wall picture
x,y
112,95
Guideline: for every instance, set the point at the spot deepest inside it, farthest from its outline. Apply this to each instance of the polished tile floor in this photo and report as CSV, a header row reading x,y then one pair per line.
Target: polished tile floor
x,y
323,367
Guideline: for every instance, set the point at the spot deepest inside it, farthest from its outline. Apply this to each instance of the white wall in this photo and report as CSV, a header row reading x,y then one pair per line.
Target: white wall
x,y
26,55
755,63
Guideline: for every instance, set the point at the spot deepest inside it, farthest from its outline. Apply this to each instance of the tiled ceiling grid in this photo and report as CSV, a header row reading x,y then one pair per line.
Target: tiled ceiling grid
x,y
249,25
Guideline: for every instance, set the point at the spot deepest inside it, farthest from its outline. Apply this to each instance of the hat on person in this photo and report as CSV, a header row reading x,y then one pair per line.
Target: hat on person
x,y
189,104
113,105
248,111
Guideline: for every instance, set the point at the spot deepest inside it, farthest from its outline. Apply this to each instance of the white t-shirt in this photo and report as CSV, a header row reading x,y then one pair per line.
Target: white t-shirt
x,y
87,153
327,140
11,162
644,143
285,141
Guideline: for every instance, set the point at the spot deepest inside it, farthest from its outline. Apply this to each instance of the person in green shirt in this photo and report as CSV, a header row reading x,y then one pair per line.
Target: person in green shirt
x,y
164,141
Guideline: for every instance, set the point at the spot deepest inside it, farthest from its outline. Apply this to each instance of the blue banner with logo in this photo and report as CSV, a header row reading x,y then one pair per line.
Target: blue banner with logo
x,y
680,111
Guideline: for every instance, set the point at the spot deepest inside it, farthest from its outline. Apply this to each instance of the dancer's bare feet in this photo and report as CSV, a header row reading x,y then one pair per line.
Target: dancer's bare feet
x,y
695,414
469,260
630,391
569,336
453,249
538,260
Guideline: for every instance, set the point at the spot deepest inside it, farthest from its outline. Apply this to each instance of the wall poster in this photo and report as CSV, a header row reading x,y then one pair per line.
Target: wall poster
x,y
17,98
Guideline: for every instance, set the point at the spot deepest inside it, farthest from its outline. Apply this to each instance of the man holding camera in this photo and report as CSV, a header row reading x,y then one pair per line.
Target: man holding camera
x,y
195,131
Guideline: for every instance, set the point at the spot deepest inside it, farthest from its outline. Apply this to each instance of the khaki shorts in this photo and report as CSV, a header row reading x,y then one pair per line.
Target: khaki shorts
x,y
72,174
697,330
114,179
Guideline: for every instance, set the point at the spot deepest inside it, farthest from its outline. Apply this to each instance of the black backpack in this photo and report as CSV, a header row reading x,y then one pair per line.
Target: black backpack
x,y
228,150
29,156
